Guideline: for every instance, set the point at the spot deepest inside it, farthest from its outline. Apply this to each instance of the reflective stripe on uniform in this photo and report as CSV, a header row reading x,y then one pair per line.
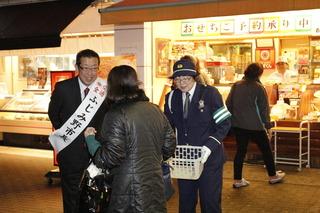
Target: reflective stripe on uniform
x,y
170,99
221,114
215,139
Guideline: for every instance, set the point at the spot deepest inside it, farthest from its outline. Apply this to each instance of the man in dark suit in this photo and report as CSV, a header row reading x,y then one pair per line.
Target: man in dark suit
x,y
65,99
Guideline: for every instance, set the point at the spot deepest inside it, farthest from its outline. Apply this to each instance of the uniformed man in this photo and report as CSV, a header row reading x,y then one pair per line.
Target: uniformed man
x,y
200,118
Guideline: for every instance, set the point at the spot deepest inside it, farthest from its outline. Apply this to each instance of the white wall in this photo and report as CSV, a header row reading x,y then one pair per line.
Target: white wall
x,y
136,39
87,22
166,30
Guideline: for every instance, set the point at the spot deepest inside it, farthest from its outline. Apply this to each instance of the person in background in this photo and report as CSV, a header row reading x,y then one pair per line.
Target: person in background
x,y
201,76
136,138
200,118
65,100
229,75
248,104
282,74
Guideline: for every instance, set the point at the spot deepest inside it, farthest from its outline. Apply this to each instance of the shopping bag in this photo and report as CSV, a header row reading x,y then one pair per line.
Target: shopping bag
x,y
168,187
95,189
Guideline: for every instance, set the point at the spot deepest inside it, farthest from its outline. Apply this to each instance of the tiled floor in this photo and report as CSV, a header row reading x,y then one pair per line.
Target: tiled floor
x,y
23,187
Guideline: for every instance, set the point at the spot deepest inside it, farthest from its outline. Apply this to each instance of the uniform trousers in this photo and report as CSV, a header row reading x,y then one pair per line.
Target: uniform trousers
x,y
209,186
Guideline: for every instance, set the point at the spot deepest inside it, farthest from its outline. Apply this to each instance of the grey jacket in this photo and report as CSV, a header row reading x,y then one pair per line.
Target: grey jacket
x,y
249,106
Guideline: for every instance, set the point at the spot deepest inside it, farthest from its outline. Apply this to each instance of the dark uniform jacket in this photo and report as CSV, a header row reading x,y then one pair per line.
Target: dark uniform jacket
x,y
136,138
249,106
208,120
65,100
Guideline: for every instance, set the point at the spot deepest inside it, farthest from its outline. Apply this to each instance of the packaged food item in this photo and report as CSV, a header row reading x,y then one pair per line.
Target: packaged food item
x,y
281,110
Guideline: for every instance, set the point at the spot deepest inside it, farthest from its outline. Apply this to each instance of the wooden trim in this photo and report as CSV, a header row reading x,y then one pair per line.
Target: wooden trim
x,y
204,9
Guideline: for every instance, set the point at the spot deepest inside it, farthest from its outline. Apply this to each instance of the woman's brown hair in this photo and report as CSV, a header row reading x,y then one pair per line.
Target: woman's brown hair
x,y
253,71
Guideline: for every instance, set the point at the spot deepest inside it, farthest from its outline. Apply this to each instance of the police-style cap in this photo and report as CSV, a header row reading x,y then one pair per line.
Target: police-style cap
x,y
184,68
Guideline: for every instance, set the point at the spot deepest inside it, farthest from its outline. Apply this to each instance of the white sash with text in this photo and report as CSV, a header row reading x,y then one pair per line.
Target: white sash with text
x,y
63,137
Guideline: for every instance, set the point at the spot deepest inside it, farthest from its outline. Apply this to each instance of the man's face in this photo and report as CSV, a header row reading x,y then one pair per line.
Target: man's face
x,y
184,83
281,67
88,69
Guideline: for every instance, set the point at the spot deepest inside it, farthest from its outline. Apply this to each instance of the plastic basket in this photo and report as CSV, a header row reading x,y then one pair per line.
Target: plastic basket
x,y
186,162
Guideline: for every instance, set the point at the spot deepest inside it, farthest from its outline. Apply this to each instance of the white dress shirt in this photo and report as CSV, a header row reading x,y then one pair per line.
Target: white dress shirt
x,y
83,87
191,92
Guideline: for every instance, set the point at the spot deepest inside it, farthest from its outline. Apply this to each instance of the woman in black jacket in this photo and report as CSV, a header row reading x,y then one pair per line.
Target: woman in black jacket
x,y
249,106
137,137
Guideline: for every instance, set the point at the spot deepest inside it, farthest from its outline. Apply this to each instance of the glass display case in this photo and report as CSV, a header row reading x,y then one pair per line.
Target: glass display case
x,y
26,113
315,59
4,96
222,63
239,55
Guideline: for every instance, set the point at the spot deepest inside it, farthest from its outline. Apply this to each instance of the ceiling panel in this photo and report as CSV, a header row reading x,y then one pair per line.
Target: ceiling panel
x,y
16,2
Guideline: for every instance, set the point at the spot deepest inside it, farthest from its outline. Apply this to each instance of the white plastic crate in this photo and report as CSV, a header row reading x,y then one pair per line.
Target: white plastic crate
x,y
186,162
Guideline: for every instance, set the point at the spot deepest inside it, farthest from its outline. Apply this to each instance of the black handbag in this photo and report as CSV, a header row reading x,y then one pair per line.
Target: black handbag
x,y
96,191
168,187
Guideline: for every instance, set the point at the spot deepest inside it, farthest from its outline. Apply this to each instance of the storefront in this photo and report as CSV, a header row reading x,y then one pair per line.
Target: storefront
x,y
25,78
158,32
225,45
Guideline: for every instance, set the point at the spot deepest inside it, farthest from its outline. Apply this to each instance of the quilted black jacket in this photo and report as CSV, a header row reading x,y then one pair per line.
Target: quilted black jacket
x,y
137,137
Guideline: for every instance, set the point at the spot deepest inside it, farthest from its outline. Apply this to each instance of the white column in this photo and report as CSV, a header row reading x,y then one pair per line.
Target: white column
x,y
137,39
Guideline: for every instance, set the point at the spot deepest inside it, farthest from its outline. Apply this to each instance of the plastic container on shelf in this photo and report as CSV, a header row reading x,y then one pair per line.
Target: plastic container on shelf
x,y
280,110
186,162
217,67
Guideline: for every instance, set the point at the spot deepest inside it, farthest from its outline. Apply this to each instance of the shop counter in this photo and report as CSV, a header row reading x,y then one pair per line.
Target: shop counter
x,y
34,127
303,155
286,143
26,113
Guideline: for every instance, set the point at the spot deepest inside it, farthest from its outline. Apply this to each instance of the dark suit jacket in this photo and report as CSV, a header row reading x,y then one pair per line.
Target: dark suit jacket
x,y
65,100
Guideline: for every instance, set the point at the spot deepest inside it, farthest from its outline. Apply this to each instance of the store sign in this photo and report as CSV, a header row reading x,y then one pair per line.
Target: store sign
x,y
187,29
247,25
200,29
256,25
214,28
265,56
303,23
287,24
271,24
227,27
242,26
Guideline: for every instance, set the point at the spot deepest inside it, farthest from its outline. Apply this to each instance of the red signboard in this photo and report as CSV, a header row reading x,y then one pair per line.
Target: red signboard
x,y
56,76
266,57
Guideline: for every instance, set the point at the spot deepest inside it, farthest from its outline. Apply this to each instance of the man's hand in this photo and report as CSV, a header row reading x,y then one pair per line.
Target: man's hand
x,y
90,131
205,153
